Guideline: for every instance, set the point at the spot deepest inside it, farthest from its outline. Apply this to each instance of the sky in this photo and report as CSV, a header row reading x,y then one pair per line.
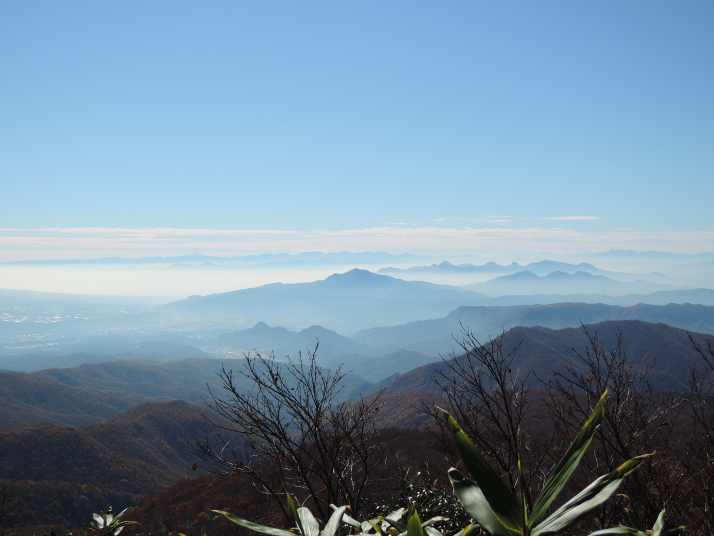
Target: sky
x,y
228,127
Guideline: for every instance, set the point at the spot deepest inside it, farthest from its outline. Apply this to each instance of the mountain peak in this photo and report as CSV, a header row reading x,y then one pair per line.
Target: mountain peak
x,y
357,275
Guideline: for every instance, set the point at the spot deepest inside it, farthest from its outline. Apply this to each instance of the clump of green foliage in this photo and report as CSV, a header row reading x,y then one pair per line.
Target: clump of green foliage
x,y
488,500
107,524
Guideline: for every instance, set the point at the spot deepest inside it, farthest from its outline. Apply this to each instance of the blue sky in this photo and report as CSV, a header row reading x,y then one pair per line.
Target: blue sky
x,y
126,127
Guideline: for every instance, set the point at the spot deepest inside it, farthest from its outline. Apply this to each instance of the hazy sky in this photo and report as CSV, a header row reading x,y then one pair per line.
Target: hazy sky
x,y
163,127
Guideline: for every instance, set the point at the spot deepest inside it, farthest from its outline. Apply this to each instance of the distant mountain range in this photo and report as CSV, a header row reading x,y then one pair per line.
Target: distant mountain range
x,y
345,302
540,268
312,257
360,299
527,282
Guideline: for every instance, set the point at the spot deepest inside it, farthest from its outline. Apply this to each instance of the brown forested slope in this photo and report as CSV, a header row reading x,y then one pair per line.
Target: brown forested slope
x,y
63,474
665,349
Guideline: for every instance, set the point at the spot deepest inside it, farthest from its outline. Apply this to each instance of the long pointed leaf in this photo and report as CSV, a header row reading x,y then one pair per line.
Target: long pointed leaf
x,y
464,531
401,527
414,527
431,531
524,498
587,500
500,499
434,520
294,512
635,519
309,524
568,463
347,519
254,526
333,524
659,524
618,530
474,502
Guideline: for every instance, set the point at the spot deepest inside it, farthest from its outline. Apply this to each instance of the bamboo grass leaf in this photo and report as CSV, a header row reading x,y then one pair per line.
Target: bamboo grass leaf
x,y
431,531
474,502
333,524
434,520
614,531
568,463
587,500
254,526
309,524
659,524
524,500
414,527
347,519
497,495
294,513
401,527
465,531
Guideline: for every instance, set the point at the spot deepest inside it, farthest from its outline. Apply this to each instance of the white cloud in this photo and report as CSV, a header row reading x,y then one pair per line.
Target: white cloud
x,y
60,243
573,218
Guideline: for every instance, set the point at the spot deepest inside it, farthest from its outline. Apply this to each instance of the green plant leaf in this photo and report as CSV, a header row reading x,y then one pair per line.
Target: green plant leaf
x,y
401,527
499,498
374,524
568,463
464,531
587,500
254,526
347,519
310,526
431,531
434,520
618,530
333,524
659,524
294,513
474,502
635,519
414,527
524,498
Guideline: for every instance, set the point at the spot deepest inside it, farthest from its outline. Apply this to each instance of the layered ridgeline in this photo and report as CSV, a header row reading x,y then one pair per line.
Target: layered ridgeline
x,y
67,472
90,393
664,351
441,335
343,302
361,299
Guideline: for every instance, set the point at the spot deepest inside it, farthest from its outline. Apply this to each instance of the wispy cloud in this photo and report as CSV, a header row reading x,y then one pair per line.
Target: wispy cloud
x,y
490,238
573,218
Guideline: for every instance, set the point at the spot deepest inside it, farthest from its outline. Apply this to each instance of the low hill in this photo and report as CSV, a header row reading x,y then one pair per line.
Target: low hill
x,y
102,350
334,349
281,341
664,349
64,474
90,393
183,380
31,399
